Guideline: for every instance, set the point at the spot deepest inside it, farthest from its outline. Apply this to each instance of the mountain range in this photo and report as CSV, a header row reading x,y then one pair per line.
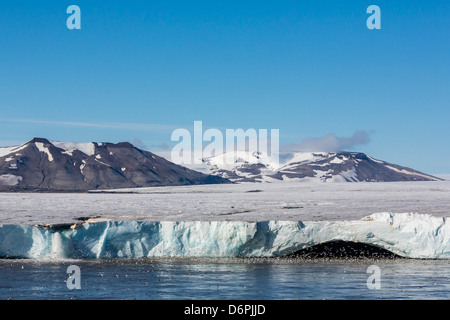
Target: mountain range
x,y
309,166
42,165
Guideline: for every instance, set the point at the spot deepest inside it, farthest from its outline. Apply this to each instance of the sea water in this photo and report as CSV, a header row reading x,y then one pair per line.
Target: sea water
x,y
241,279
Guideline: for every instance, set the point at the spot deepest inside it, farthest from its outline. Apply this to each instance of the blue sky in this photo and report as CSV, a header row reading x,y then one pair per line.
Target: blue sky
x,y
139,69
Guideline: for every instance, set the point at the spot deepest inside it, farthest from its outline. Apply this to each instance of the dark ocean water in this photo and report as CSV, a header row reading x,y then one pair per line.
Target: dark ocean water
x,y
237,279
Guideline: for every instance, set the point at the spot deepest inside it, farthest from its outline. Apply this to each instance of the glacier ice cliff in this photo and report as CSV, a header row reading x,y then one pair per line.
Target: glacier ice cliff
x,y
407,235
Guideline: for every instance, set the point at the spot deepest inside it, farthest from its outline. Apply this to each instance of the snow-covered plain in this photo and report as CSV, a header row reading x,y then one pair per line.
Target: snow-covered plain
x,y
236,202
407,218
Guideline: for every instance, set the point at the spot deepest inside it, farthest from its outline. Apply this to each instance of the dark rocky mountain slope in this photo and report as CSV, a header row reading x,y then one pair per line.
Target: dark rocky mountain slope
x,y
41,165
311,166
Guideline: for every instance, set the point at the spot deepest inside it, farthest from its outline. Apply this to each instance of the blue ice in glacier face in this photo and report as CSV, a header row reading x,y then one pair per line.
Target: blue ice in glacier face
x,y
408,235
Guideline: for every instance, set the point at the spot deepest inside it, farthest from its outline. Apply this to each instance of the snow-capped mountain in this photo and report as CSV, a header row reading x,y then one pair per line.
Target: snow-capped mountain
x,y
58,166
309,166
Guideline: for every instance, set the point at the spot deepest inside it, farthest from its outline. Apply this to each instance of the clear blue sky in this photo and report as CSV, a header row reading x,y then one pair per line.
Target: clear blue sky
x,y
139,69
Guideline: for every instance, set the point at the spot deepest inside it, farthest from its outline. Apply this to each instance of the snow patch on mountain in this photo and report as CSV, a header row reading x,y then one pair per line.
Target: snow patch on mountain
x,y
5,151
10,180
70,147
45,150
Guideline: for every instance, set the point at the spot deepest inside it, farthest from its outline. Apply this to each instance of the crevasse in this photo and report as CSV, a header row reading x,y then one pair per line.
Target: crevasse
x,y
407,235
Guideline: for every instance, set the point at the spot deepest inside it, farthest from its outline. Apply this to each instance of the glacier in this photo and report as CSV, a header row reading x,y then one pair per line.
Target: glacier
x,y
409,235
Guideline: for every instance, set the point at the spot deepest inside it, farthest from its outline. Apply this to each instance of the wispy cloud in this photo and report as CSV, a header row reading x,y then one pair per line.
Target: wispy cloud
x,y
110,125
162,146
328,143
138,143
141,145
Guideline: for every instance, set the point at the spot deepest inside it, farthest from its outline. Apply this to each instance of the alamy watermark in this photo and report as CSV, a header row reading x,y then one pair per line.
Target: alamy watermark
x,y
74,280
74,20
374,280
224,147
374,21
